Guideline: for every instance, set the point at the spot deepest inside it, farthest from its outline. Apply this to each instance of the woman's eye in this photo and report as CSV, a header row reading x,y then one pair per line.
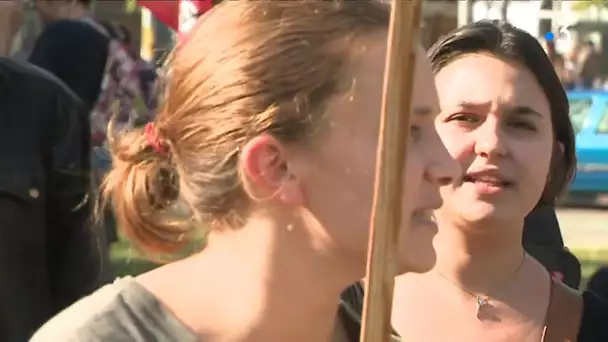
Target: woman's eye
x,y
523,125
469,119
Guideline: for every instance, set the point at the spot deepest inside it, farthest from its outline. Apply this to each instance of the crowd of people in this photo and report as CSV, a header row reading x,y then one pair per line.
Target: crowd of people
x,y
582,67
266,136
52,250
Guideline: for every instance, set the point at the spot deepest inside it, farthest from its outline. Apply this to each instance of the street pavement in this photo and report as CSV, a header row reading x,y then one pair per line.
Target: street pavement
x,y
584,228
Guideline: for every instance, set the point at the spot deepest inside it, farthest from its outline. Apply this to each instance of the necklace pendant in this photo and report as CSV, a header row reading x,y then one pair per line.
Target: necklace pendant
x,y
481,301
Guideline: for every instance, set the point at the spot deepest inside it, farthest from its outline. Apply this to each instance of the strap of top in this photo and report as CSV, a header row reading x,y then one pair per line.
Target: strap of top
x,y
350,311
564,314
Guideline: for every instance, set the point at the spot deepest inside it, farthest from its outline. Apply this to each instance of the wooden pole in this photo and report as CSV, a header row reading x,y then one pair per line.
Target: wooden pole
x,y
390,167
147,35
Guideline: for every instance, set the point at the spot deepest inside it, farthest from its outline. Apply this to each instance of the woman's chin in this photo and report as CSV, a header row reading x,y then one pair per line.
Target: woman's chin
x,y
476,211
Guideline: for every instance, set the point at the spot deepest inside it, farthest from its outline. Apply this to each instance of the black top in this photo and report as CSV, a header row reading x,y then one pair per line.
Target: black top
x,y
598,282
76,53
594,324
49,256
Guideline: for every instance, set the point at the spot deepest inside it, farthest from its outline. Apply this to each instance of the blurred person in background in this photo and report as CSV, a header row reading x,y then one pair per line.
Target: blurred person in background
x,y
97,66
588,69
556,59
49,255
12,18
93,63
571,65
147,71
71,48
75,51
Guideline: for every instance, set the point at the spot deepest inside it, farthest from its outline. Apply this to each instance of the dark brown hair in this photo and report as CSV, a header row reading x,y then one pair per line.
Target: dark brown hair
x,y
505,41
247,68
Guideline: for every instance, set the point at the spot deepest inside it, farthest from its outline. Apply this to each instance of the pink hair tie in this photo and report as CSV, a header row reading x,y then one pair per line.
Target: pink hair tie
x,y
153,140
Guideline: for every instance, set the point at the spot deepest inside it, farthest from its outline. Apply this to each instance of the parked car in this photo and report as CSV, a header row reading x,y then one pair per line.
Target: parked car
x,y
589,114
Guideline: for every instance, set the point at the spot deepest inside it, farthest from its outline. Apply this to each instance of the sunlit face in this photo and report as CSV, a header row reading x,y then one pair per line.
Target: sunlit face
x,y
496,123
338,171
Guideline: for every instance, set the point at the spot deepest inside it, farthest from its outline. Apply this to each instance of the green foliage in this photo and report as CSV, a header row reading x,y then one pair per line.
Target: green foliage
x,y
586,4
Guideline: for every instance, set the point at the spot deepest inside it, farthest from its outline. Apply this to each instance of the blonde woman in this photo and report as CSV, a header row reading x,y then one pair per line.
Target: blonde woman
x,y
268,136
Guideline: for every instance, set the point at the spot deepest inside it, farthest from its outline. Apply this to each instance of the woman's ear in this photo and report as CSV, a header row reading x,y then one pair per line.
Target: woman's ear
x,y
263,163
265,166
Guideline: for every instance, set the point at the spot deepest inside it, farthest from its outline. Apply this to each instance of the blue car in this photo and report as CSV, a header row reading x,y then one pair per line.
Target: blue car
x,y
589,114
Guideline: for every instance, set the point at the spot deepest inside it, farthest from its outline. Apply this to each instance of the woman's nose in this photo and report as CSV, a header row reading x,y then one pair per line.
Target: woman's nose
x,y
489,141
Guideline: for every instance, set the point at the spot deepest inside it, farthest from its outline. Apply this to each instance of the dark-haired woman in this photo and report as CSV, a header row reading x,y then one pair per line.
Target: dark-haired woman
x,y
505,120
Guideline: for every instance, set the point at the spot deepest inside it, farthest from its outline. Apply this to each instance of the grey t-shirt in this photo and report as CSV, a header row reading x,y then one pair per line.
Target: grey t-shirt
x,y
124,311
120,312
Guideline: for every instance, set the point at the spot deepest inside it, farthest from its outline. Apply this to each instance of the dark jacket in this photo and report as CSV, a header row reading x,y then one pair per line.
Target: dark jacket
x,y
75,52
49,255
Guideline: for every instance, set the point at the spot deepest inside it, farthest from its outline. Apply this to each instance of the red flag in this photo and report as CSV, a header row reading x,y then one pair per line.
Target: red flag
x,y
168,11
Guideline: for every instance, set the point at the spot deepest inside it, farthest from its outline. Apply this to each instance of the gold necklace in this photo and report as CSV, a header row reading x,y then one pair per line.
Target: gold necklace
x,y
480,299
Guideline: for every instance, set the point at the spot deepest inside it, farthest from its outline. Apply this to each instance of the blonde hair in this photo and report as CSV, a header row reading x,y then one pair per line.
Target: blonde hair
x,y
247,68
